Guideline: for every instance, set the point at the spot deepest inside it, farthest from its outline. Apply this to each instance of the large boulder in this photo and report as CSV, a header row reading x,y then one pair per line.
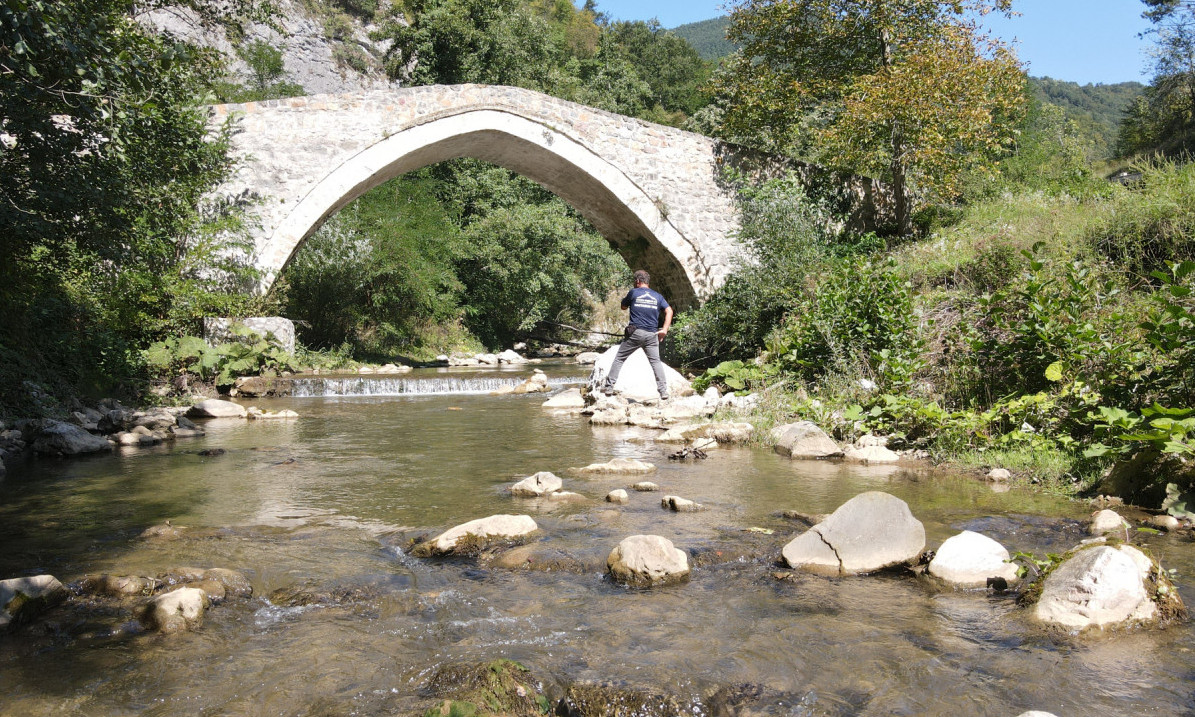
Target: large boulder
x,y
477,534
969,560
804,440
636,379
57,437
539,484
1099,586
215,408
175,611
21,599
647,561
869,532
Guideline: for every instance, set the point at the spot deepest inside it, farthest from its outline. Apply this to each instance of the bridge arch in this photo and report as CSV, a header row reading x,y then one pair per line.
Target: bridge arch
x,y
620,209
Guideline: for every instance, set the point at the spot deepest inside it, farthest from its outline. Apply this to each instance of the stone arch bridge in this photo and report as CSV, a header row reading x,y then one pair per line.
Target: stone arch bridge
x,y
654,192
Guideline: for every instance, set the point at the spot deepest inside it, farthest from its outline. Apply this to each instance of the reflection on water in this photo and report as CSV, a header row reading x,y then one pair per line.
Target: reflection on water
x,y
325,503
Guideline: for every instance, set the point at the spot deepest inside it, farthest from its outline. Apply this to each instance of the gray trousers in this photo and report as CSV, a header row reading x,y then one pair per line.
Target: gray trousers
x,y
649,341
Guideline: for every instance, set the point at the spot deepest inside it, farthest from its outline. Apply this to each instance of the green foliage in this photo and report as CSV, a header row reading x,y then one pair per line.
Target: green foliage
x,y
730,375
1153,224
1095,111
902,89
249,354
790,235
1163,119
105,163
708,37
857,318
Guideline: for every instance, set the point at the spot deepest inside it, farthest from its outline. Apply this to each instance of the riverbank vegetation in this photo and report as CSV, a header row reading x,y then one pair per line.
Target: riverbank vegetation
x,y
1021,310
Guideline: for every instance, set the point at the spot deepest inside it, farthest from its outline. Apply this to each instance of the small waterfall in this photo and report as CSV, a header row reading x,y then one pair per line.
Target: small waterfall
x,y
396,386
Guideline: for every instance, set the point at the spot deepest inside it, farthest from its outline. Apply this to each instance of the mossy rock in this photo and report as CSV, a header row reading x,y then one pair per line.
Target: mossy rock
x,y
499,687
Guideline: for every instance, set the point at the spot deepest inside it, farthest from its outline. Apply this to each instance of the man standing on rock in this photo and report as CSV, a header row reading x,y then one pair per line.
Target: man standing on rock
x,y
643,332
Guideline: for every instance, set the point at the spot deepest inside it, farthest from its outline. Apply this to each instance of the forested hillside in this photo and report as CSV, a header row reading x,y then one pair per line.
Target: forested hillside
x,y
1097,109
708,37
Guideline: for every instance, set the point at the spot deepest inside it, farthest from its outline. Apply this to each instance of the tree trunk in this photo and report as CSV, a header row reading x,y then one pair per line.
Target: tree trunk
x,y
900,190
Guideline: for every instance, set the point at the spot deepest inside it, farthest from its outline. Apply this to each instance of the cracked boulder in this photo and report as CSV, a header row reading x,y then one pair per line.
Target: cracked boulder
x,y
869,532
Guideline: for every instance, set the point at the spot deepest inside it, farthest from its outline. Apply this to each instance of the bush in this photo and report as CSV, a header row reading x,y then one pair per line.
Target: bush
x,y
856,317
1152,224
789,235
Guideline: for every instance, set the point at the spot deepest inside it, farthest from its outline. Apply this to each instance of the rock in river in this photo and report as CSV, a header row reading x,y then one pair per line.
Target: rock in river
x,y
570,398
175,611
215,408
969,559
1100,586
476,534
21,599
618,465
67,439
1107,521
539,484
804,440
869,532
647,560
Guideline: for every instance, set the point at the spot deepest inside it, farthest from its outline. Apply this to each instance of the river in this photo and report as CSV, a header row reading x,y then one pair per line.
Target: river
x,y
326,503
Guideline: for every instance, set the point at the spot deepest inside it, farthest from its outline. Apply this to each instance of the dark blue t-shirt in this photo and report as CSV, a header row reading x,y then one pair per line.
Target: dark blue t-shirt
x,y
645,306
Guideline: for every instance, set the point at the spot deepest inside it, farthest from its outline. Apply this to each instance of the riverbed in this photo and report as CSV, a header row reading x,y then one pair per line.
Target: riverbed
x,y
326,504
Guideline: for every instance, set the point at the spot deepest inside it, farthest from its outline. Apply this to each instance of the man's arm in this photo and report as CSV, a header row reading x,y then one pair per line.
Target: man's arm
x,y
667,322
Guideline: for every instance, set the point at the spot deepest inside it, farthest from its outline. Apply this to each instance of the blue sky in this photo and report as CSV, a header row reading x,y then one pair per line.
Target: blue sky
x,y
1085,41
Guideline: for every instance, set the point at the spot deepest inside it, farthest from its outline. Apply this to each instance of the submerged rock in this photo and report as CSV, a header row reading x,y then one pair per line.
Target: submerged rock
x,y
256,413
869,532
175,611
804,440
584,699
647,561
618,465
969,559
536,485
476,535
117,585
22,599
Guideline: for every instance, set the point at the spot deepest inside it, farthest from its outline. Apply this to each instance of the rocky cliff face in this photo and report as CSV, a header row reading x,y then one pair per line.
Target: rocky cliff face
x,y
330,53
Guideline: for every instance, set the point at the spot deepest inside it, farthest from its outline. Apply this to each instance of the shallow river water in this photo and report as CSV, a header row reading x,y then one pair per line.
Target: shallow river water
x,y
326,503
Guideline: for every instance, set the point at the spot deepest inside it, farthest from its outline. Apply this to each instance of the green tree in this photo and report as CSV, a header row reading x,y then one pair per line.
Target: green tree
x,y
105,156
904,88
1164,121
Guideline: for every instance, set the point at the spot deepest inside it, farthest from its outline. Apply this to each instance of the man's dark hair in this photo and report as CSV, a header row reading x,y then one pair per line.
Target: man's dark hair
x,y
642,277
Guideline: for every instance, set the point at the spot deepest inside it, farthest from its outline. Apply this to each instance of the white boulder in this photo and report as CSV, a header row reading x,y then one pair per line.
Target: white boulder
x,y
568,399
803,440
23,598
647,560
1096,587
869,532
175,611
539,484
1107,521
215,408
495,527
636,379
969,559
